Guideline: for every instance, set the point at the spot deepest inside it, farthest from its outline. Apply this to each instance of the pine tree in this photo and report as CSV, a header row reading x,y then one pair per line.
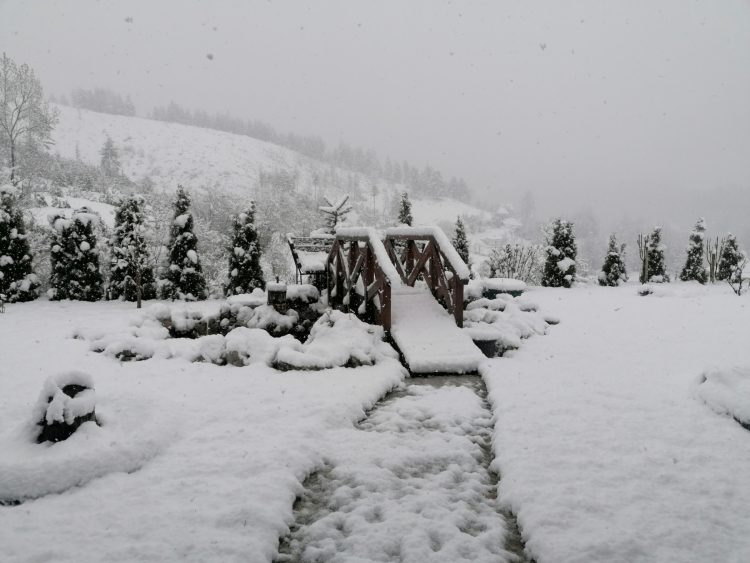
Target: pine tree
x,y
110,162
613,270
694,269
17,279
184,279
131,272
75,258
460,241
657,264
560,265
731,258
245,272
404,211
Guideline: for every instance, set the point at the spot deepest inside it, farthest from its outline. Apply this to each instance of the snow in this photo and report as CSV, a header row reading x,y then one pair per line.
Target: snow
x,y
428,336
435,211
727,391
312,261
192,256
604,450
476,287
565,264
443,242
192,461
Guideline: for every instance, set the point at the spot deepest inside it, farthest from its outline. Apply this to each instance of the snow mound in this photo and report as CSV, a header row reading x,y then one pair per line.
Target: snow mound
x,y
505,320
727,391
338,339
126,438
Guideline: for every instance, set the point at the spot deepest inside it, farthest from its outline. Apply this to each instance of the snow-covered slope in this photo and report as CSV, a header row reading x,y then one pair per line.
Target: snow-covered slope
x,y
172,154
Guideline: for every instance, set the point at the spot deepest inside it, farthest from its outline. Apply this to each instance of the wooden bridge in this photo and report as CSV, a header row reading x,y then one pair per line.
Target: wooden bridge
x,y
412,283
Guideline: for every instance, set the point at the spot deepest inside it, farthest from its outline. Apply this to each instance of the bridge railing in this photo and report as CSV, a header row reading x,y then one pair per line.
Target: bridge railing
x,y
360,275
426,253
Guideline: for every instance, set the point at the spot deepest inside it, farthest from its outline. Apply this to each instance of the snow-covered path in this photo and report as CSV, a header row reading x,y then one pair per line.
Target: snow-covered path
x,y
410,484
606,452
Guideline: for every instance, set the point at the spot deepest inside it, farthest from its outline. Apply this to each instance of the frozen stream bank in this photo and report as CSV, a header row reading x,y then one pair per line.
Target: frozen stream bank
x,y
410,483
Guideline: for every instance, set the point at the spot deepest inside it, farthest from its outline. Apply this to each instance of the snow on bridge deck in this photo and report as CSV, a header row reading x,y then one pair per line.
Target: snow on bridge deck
x,y
427,335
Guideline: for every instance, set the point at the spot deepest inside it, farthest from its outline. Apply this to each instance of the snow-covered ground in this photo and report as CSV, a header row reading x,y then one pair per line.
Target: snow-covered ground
x,y
617,437
606,447
192,462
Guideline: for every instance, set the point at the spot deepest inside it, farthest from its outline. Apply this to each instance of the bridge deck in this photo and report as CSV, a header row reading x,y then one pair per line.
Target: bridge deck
x,y
427,335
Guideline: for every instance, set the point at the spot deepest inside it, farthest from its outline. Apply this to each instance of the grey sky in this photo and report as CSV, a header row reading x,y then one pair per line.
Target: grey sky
x,y
557,97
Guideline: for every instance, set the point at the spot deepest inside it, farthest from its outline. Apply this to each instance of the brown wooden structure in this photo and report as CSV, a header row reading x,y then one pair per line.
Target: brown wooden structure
x,y
362,271
357,281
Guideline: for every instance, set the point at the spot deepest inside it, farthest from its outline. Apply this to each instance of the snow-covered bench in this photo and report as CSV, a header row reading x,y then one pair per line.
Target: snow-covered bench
x,y
310,254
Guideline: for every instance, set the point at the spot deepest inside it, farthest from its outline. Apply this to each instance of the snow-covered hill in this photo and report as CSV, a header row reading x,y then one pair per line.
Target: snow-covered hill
x,y
171,154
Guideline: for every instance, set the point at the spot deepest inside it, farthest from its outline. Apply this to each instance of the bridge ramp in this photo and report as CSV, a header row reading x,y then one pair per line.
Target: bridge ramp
x,y
427,335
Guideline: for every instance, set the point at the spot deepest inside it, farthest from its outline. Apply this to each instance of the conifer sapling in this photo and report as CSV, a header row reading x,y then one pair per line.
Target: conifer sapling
x,y
245,272
694,269
560,265
184,278
404,210
613,270
17,279
131,270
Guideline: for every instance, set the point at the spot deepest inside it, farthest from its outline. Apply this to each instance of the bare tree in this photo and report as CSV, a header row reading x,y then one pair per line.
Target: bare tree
x,y
24,113
738,277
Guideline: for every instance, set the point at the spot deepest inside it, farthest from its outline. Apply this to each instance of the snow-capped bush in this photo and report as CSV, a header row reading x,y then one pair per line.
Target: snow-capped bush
x,y
694,269
560,265
66,402
337,339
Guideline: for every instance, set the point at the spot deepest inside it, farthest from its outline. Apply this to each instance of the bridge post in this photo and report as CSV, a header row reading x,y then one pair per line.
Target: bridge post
x,y
458,300
385,308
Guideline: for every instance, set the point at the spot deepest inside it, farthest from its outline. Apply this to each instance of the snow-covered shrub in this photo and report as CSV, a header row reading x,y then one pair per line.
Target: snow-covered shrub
x,y
730,259
500,324
654,252
694,269
337,339
75,257
66,402
491,288
245,346
130,265
245,272
184,277
518,261
560,265
18,282
613,270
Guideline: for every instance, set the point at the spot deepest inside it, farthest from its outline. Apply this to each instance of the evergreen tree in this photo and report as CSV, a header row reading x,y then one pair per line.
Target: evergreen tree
x,y
460,241
75,258
110,162
657,264
130,267
694,269
404,211
560,265
245,272
184,279
17,279
731,257
613,270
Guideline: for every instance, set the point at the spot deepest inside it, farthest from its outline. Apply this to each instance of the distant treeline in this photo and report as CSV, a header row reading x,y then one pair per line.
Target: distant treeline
x,y
99,99
425,181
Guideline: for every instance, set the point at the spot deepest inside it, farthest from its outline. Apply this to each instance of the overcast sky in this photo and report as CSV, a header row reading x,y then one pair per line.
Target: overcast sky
x,y
550,96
